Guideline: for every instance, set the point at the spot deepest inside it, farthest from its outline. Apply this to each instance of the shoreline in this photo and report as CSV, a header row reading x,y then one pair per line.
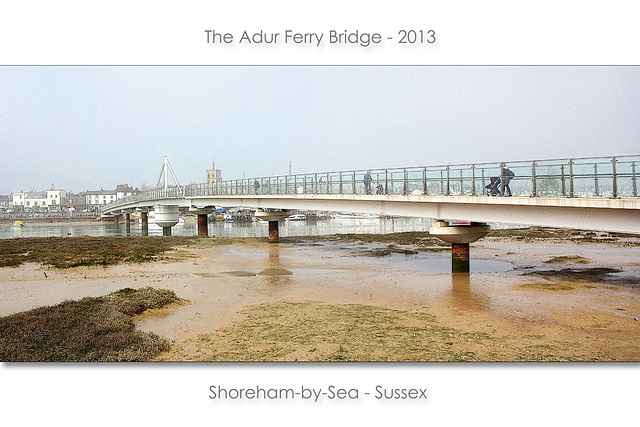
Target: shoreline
x,y
322,300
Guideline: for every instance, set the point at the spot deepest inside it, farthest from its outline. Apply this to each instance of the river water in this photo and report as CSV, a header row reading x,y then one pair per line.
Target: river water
x,y
439,263
224,229
219,228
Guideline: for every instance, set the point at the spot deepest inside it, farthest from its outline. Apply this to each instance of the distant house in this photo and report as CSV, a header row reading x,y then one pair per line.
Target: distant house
x,y
123,190
75,201
34,200
5,203
17,200
95,199
54,198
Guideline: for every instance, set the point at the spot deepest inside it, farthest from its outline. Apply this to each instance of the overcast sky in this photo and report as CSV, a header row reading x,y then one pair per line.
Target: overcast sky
x,y
83,128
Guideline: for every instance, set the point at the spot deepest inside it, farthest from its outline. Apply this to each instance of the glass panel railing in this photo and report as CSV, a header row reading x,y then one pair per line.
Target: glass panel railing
x,y
582,177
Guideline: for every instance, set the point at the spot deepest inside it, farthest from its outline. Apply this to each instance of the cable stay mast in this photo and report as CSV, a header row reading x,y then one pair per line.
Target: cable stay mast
x,y
164,175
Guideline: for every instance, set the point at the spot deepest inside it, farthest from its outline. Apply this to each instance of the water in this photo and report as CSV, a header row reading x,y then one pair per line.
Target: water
x,y
220,229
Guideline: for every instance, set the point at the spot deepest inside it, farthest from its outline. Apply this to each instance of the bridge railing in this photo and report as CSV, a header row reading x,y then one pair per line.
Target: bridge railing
x,y
611,177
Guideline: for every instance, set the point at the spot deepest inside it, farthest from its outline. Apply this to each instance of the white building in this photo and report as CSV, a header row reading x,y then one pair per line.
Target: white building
x,y
95,199
54,198
38,200
17,199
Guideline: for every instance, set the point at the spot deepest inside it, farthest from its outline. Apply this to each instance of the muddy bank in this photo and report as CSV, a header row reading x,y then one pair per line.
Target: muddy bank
x,y
67,252
319,300
89,330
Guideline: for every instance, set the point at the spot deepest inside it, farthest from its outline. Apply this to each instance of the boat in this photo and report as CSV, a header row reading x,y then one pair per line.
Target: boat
x,y
348,215
296,217
17,224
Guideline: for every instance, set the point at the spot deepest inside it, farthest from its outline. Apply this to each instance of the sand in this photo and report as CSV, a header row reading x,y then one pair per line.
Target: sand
x,y
336,301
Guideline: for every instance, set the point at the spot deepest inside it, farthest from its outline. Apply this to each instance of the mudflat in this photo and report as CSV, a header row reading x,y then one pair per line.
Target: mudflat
x,y
349,298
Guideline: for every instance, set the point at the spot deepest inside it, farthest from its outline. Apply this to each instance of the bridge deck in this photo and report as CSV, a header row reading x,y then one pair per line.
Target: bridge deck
x,y
589,193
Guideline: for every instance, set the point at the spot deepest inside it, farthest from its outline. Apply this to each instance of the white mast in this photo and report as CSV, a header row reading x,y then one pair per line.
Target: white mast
x,y
166,170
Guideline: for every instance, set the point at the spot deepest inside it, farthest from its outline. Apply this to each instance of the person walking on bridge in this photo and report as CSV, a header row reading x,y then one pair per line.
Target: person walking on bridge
x,y
506,175
256,186
367,182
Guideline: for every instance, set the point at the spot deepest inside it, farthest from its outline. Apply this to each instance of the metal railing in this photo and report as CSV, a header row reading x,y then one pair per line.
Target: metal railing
x,y
604,177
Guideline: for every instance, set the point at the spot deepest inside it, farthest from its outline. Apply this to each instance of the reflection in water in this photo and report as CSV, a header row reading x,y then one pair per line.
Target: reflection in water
x,y
462,297
275,273
216,228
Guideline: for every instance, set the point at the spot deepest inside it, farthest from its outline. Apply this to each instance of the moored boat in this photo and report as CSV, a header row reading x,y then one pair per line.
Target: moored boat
x,y
296,217
347,215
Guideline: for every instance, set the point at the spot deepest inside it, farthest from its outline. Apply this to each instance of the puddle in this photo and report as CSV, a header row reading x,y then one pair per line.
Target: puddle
x,y
428,264
615,276
382,252
240,273
163,276
275,272
206,275
150,276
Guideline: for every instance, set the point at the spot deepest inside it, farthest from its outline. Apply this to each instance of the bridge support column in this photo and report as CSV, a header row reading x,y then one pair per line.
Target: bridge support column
x,y
274,232
144,220
166,217
203,224
459,235
460,257
127,219
273,217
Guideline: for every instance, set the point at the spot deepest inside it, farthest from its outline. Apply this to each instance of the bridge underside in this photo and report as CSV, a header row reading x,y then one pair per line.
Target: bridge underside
x,y
616,215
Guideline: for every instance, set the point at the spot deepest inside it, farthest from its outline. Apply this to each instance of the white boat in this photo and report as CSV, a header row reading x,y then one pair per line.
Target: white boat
x,y
296,217
349,215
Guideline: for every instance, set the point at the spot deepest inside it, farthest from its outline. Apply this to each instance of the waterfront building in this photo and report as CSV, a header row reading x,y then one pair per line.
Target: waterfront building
x,y
123,190
5,203
54,199
95,199
74,201
50,200
34,200
17,200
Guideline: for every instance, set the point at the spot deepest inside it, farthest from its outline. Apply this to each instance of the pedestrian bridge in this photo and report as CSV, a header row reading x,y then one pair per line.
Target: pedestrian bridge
x,y
596,193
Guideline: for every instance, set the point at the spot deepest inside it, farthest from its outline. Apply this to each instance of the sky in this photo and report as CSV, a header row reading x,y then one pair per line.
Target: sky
x,y
83,128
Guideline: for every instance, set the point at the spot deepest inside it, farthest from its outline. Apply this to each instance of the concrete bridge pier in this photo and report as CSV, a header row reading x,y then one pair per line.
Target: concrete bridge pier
x,y
274,232
144,220
203,224
459,235
127,222
460,257
273,217
166,216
